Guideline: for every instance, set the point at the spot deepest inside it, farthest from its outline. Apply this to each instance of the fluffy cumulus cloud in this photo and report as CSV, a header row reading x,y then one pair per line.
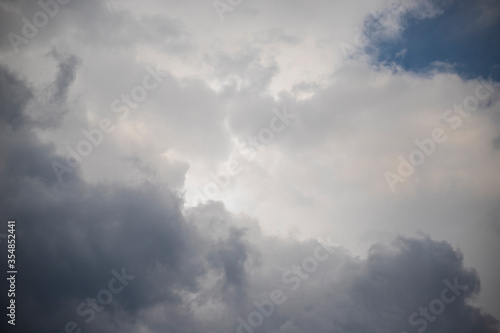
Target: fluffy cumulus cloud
x,y
234,166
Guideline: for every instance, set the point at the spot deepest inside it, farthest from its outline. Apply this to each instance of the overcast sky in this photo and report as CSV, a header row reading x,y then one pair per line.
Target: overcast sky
x,y
251,166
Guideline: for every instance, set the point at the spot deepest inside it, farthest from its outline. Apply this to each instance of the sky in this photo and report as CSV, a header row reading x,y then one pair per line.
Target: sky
x,y
250,166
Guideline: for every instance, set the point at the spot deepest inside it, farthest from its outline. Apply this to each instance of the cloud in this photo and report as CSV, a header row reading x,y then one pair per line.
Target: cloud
x,y
14,97
66,75
203,269
203,260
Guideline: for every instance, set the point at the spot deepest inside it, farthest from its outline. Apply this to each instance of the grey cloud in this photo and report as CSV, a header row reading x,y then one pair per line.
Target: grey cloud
x,y
380,293
245,65
496,143
120,29
13,97
68,65
277,36
231,256
306,87
97,22
73,231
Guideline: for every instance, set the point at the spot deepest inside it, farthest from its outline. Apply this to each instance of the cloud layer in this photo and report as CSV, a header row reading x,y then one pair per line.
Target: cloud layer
x,y
116,116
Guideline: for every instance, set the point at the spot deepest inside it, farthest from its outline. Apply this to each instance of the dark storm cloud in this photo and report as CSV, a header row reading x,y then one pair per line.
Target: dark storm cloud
x,y
392,290
410,278
381,293
78,233
22,154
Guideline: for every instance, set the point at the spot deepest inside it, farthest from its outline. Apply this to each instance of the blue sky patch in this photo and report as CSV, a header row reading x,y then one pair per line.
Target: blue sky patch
x,y
464,36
